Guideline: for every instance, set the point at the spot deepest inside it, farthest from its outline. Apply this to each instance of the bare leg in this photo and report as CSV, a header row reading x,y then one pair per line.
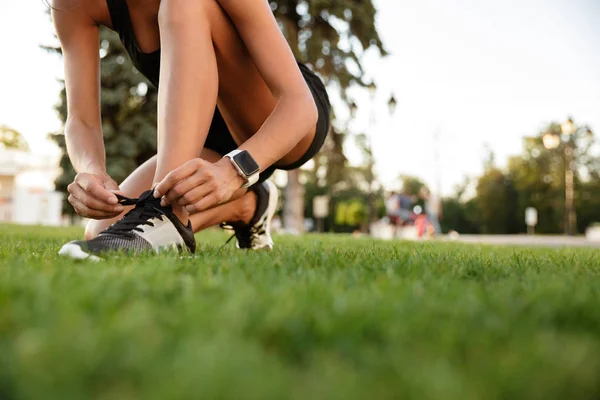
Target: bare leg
x,y
240,208
204,62
189,81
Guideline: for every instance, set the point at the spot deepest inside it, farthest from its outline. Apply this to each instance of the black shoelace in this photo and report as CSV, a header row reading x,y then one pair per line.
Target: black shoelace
x,y
143,212
244,233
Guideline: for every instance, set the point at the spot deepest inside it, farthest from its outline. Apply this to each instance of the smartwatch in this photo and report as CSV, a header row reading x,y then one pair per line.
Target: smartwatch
x,y
245,165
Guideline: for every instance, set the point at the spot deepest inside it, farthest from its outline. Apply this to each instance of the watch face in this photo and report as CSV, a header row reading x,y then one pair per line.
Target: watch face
x,y
246,163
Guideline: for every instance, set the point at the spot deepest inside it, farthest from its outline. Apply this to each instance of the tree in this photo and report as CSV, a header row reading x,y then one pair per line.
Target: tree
x,y
412,185
460,211
330,36
128,104
12,139
539,178
496,203
535,178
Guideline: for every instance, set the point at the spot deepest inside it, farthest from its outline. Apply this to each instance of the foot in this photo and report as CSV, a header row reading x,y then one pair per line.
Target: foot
x,y
149,227
256,235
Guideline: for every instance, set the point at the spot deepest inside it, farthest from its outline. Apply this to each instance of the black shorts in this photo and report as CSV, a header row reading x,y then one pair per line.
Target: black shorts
x,y
219,137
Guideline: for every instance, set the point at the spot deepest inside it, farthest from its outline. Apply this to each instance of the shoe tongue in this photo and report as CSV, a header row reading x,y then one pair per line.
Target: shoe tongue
x,y
148,195
148,198
139,214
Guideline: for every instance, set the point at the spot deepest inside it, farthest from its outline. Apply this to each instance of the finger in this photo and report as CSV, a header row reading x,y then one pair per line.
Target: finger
x,y
203,204
85,211
93,203
194,195
187,169
97,190
119,192
182,187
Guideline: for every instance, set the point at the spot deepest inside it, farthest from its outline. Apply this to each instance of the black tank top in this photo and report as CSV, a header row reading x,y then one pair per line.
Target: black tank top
x,y
147,63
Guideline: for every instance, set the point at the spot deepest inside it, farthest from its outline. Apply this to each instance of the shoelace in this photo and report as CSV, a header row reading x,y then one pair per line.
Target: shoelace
x,y
244,234
143,212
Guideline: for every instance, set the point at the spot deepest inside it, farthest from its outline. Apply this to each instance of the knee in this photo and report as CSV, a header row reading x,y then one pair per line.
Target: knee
x,y
176,13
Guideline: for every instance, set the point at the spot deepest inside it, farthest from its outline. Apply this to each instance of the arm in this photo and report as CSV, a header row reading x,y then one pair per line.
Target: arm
x,y
296,112
79,36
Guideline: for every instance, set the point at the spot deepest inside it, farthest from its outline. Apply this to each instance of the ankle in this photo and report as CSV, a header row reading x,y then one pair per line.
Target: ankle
x,y
182,214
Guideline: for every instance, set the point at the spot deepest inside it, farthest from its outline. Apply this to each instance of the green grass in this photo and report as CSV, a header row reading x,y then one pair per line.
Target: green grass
x,y
322,317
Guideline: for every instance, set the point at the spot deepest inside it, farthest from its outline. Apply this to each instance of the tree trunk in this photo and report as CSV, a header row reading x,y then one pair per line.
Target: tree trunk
x,y
293,209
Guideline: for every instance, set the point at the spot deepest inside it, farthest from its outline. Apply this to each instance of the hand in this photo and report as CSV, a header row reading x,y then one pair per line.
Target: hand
x,y
199,185
93,196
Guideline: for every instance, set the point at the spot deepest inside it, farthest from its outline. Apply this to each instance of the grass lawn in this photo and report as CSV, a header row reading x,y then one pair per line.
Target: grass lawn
x,y
322,317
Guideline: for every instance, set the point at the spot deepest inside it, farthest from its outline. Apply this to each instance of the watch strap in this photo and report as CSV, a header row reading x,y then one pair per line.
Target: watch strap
x,y
251,180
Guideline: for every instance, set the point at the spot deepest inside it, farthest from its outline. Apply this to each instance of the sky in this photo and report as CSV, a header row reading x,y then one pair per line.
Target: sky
x,y
479,74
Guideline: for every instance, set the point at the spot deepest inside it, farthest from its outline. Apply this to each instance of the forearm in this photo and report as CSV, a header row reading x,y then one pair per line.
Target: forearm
x,y
85,147
292,119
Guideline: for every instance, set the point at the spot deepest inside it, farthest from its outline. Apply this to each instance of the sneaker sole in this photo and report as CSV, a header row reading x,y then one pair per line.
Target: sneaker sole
x,y
77,253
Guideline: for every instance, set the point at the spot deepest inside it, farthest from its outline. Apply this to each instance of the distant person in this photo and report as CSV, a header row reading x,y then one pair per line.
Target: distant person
x,y
433,209
406,207
392,205
233,106
398,209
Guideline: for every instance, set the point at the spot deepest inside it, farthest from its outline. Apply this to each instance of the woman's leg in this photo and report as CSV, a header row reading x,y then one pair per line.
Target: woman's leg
x,y
240,208
188,87
204,61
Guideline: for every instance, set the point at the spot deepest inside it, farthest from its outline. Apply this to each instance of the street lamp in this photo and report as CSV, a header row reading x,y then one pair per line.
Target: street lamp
x,y
568,127
392,104
372,89
353,110
552,141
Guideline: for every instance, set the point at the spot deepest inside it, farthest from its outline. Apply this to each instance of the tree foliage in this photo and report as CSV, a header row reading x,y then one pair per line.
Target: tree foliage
x,y
411,185
535,178
12,139
496,203
330,36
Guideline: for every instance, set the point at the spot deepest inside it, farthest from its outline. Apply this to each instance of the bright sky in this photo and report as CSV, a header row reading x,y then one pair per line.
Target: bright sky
x,y
478,72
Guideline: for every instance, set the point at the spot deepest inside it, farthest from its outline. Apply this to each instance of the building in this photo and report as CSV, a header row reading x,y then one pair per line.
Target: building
x,y
27,193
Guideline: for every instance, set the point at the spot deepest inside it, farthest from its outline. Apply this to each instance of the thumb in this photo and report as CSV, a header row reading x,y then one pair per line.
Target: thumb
x,y
118,192
111,185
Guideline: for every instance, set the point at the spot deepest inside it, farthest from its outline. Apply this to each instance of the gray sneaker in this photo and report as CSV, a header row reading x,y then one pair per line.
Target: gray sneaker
x,y
148,228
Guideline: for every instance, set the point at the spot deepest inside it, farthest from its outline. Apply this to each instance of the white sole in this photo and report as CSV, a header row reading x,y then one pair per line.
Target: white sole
x,y
76,252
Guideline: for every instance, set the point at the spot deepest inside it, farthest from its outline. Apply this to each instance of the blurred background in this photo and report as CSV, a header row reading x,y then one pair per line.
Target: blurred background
x,y
450,117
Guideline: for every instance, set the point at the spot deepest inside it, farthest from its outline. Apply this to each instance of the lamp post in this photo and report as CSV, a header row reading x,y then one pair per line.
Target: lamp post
x,y
371,161
553,141
392,106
